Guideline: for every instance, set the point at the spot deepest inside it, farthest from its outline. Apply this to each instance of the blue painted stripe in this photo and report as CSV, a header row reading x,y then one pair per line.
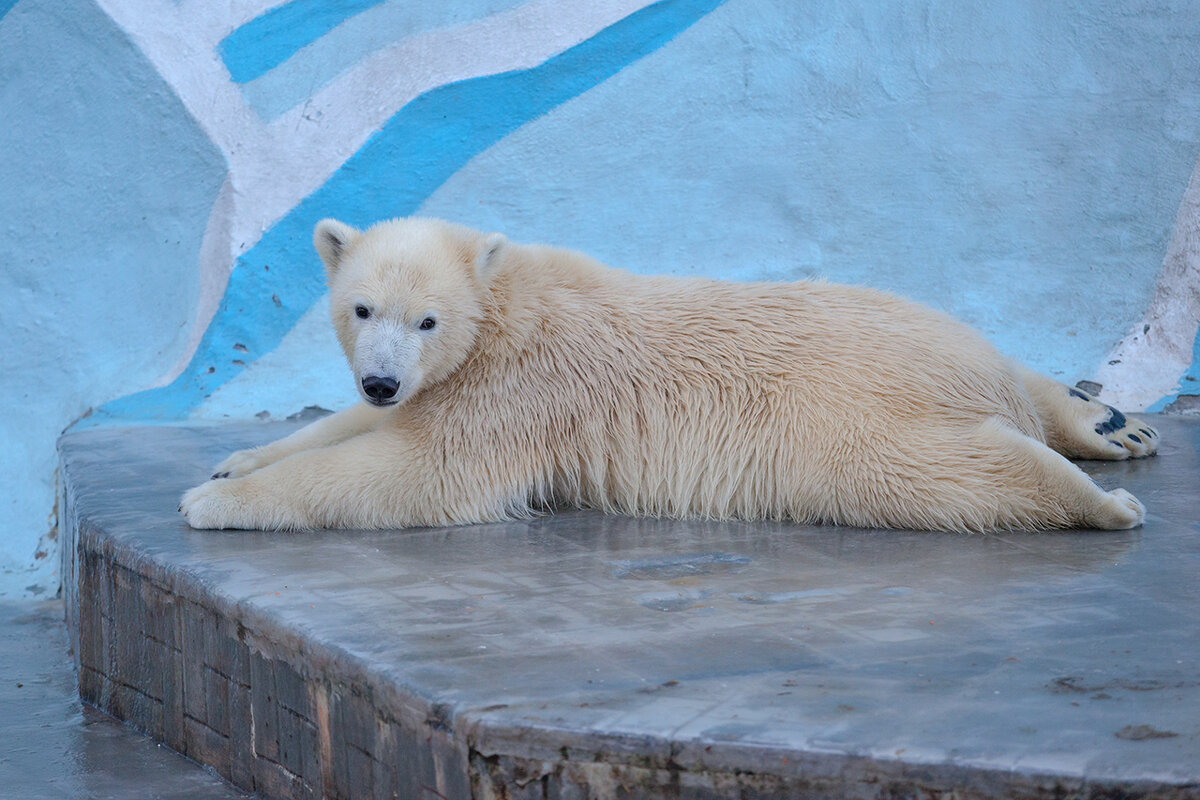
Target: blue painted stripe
x,y
6,6
268,40
418,149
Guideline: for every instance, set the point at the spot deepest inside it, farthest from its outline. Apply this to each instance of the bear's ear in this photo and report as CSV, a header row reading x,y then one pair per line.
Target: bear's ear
x,y
331,239
489,254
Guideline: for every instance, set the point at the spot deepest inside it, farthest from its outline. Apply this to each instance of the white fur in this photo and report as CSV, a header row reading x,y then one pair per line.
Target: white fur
x,y
387,348
550,379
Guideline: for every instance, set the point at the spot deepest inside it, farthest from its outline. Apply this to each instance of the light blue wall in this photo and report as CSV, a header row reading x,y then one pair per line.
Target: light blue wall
x,y
1017,164
105,190
1020,165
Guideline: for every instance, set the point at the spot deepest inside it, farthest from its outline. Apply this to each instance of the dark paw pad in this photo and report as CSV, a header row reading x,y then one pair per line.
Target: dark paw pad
x,y
1115,421
217,475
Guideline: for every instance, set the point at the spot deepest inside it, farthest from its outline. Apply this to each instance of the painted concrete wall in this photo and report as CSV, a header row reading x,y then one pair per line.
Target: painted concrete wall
x,y
1028,167
106,186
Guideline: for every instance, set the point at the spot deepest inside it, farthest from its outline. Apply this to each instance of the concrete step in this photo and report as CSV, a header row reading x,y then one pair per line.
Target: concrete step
x,y
582,655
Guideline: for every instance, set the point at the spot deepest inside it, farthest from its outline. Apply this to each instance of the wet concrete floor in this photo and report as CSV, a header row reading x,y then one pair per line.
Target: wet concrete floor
x,y
54,746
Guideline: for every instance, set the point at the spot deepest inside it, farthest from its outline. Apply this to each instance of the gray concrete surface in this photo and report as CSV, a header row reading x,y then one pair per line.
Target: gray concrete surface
x,y
53,746
581,655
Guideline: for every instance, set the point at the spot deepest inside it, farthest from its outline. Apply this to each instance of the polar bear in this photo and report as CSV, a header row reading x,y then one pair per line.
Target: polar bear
x,y
500,379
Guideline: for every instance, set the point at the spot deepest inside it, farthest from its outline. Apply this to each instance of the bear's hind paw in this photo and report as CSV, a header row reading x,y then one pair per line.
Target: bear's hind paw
x,y
1134,436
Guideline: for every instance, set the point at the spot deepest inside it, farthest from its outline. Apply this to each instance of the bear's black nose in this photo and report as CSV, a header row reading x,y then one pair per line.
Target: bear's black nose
x,y
379,389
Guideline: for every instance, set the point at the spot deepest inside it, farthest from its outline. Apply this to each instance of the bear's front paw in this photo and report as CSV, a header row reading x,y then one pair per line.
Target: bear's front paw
x,y
1122,511
243,462
214,505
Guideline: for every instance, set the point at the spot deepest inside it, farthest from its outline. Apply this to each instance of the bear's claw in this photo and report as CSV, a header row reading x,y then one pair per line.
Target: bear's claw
x,y
243,462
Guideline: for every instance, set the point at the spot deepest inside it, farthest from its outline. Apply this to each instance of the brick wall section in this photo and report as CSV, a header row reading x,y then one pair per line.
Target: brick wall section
x,y
209,687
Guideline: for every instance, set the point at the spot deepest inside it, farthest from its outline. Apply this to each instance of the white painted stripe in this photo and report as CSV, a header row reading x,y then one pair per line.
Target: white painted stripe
x,y
215,266
273,166
1151,361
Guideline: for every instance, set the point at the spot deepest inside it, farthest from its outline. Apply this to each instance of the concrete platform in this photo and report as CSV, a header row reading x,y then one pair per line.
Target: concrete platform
x,y
580,655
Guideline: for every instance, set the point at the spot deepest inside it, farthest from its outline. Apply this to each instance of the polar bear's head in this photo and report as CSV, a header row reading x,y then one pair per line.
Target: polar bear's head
x,y
406,297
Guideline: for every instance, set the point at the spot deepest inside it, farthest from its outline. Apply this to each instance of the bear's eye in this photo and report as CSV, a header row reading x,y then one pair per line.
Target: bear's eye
x,y
427,324
362,311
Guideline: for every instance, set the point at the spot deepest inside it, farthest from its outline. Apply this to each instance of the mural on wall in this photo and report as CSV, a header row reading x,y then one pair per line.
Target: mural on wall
x,y
1030,169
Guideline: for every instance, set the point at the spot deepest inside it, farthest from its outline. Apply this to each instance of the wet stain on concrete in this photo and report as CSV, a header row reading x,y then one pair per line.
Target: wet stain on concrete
x,y
775,598
663,568
1140,733
1075,685
673,601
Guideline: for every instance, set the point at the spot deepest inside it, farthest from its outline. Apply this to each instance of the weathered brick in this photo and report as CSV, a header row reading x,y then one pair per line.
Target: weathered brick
x,y
173,732
158,617
264,707
89,641
230,656
291,690
356,718
207,746
90,683
127,609
240,744
146,664
194,621
142,712
110,699
447,762
337,776
385,782
103,585
272,780
313,767
216,701
291,753
360,769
